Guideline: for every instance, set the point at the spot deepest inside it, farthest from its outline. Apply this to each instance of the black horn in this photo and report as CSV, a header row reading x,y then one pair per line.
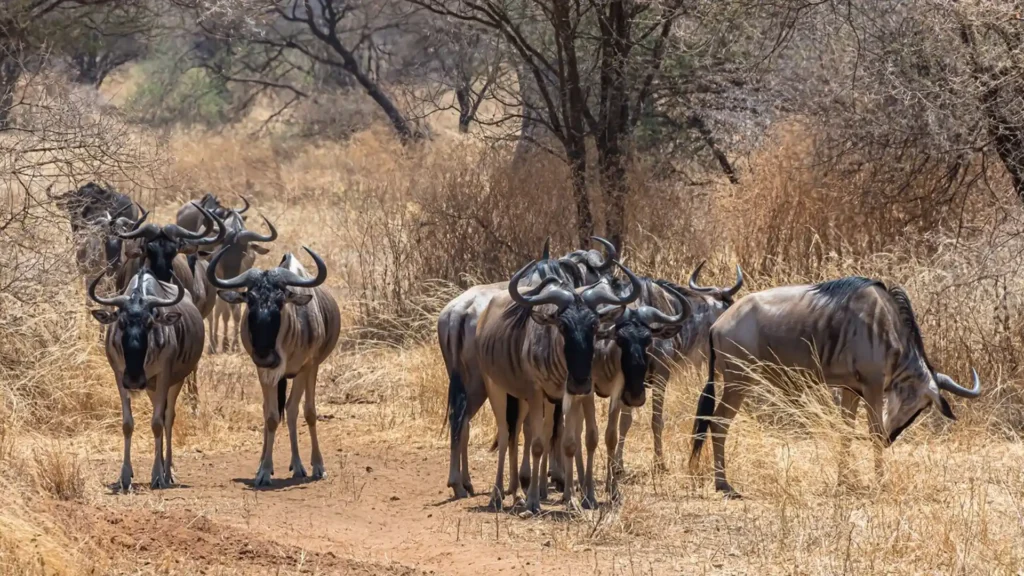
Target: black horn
x,y
601,293
610,255
254,236
243,280
729,293
246,202
651,315
558,296
292,279
545,254
949,385
152,302
116,301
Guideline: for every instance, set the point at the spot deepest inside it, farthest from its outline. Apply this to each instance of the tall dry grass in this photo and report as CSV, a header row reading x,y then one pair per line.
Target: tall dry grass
x,y
403,229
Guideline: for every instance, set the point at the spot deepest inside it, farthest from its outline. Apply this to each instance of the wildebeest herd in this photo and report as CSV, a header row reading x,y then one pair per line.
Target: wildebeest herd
x,y
537,348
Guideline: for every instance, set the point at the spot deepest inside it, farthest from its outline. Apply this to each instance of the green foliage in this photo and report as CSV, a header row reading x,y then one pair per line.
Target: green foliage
x,y
172,94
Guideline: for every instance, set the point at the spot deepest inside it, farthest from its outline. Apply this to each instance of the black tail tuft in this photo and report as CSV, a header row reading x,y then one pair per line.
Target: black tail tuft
x,y
557,428
457,402
511,419
282,393
705,406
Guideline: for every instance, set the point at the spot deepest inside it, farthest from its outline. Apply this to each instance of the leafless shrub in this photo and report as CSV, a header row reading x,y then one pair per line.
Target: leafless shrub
x,y
59,472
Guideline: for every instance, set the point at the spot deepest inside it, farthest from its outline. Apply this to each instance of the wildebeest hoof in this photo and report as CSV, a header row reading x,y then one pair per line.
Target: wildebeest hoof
x,y
263,478
469,489
532,508
125,482
169,478
319,473
496,500
728,493
158,482
559,484
297,470
458,491
590,502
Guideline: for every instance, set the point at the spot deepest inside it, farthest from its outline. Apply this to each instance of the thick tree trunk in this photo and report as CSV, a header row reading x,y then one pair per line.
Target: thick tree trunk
x,y
578,172
10,72
613,123
464,97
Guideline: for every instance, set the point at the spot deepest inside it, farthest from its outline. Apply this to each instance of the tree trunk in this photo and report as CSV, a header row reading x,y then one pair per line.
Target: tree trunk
x,y
464,97
578,173
613,120
351,65
10,72
529,123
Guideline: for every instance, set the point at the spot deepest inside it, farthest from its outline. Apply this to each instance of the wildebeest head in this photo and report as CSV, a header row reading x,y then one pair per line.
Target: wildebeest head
x,y
633,332
577,316
161,244
718,299
266,293
591,264
915,385
136,313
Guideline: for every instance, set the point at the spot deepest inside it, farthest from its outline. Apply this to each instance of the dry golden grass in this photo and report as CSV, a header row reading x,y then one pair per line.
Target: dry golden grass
x,y
400,229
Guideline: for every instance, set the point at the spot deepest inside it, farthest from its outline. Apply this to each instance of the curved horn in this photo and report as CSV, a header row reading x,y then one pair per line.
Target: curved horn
x,y
175,232
730,292
610,254
292,279
559,296
221,229
152,302
572,270
651,315
545,254
149,231
116,301
949,385
601,293
693,279
254,236
243,280
246,201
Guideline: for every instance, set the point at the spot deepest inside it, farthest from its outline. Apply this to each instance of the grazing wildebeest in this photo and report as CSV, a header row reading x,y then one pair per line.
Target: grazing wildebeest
x,y
688,346
154,340
290,327
536,354
456,333
95,214
857,334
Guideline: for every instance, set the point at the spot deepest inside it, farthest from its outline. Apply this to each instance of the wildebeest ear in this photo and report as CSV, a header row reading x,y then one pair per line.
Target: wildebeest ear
x,y
945,409
230,296
297,299
132,249
544,319
666,332
104,316
259,249
167,318
606,331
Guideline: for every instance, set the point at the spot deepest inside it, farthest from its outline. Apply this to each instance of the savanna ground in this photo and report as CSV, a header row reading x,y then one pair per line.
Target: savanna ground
x,y
389,220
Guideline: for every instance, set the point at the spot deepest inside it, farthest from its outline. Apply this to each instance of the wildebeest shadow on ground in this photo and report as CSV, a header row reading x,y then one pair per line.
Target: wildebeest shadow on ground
x,y
114,488
276,483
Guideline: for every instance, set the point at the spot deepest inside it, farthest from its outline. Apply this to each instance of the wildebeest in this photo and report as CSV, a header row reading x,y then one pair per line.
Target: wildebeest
x,y
190,218
154,340
240,249
689,345
529,351
290,327
95,214
857,334
456,332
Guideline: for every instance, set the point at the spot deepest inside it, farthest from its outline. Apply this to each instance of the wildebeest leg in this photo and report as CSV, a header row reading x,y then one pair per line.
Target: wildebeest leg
x,y
625,422
540,444
158,395
556,418
611,440
590,416
732,400
658,384
127,427
292,410
514,479
521,479
467,484
873,404
572,408
498,402
236,316
316,459
271,418
172,399
849,401
211,330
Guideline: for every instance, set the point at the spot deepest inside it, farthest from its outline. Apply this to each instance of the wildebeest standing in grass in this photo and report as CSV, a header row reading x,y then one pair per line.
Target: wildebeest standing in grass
x,y
289,328
529,350
689,345
154,341
857,334
456,332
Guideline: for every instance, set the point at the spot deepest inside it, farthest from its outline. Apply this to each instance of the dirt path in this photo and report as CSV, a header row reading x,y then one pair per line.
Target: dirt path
x,y
378,511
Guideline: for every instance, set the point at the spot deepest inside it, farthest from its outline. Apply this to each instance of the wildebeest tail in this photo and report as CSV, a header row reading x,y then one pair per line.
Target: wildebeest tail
x,y
557,428
705,405
458,400
511,418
